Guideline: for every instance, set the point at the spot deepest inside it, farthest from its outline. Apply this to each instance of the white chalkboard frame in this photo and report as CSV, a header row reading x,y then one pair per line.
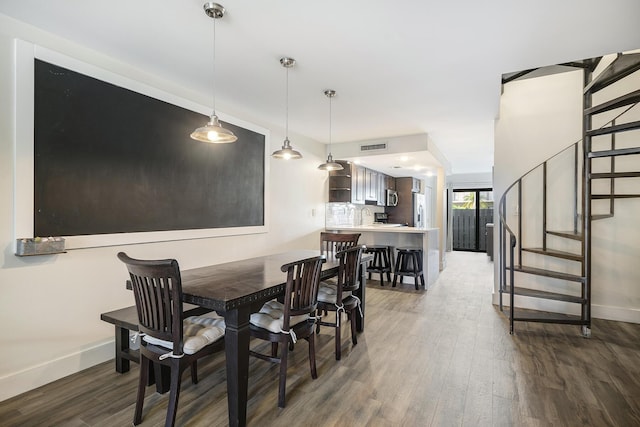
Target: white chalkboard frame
x,y
25,54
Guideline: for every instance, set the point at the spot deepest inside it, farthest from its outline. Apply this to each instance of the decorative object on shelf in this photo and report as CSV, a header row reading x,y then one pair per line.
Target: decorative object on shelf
x,y
39,246
213,131
330,165
287,152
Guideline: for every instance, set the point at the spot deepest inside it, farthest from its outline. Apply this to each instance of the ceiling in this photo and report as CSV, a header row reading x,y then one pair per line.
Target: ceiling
x,y
399,68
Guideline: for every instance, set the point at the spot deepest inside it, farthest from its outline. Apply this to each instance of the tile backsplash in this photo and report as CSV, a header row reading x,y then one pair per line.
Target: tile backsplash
x,y
350,215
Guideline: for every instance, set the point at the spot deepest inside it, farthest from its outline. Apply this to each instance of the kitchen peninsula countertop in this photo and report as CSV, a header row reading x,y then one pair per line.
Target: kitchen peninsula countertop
x,y
381,228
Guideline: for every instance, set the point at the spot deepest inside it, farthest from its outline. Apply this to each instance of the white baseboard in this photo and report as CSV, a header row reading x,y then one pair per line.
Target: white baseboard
x,y
28,379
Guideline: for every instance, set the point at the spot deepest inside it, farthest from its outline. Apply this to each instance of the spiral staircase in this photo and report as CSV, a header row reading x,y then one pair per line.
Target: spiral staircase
x,y
553,263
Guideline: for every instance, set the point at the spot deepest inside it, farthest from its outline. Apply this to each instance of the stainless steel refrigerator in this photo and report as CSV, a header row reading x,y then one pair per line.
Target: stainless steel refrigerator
x,y
419,211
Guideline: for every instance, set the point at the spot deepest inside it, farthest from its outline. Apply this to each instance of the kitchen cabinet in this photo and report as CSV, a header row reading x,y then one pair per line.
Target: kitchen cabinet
x,y
347,185
358,183
371,185
416,185
382,189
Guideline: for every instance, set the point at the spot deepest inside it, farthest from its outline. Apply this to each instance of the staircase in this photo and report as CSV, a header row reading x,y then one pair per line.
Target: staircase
x,y
544,249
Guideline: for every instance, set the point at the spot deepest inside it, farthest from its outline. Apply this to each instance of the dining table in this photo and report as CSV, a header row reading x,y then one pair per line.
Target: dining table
x,y
237,289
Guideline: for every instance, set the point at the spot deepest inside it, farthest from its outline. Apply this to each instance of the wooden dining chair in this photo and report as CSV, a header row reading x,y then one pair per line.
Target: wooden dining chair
x,y
339,297
332,243
167,338
286,322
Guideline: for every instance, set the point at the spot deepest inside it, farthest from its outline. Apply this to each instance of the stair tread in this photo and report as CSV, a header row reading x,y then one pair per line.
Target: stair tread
x,y
549,273
603,175
536,293
547,317
614,129
555,253
614,196
601,216
612,153
575,235
621,67
627,99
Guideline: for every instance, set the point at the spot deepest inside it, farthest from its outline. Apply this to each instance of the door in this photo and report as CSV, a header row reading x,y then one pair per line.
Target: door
x,y
471,211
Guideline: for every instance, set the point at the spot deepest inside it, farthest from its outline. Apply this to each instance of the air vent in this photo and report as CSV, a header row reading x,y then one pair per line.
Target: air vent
x,y
373,147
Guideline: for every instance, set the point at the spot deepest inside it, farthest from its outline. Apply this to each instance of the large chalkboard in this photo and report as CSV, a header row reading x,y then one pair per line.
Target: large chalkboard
x,y
110,160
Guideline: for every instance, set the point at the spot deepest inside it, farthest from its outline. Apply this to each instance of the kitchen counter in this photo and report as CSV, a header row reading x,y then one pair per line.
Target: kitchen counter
x,y
381,228
398,236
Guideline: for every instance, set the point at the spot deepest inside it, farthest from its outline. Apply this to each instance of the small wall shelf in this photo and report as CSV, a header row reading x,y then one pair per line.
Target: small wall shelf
x,y
39,246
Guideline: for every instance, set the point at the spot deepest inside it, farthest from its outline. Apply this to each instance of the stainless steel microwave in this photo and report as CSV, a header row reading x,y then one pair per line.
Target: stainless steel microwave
x,y
392,197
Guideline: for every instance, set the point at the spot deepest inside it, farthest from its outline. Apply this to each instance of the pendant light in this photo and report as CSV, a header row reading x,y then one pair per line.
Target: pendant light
x,y
213,131
330,165
287,152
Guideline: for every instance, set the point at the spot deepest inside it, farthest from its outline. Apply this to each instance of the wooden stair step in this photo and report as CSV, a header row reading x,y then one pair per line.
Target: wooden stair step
x,y
520,315
613,153
621,67
555,253
628,99
535,293
548,273
574,235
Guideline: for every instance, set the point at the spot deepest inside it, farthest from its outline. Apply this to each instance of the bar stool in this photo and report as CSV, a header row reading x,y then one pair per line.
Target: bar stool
x,y
381,261
409,263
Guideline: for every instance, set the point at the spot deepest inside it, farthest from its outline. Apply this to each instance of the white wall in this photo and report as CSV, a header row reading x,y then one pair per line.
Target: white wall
x,y
538,118
470,180
50,305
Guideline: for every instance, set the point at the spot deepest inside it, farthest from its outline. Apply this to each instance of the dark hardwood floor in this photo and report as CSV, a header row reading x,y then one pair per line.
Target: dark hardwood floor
x,y
437,358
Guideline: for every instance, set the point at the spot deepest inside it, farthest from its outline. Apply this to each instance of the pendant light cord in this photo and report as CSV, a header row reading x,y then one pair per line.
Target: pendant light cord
x,y
330,125
214,65
286,126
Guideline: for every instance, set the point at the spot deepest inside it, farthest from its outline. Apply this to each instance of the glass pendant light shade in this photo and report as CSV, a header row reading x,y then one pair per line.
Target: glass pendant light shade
x,y
330,165
286,152
214,133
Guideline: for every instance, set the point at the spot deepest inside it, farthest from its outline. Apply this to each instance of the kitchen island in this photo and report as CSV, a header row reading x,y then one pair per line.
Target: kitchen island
x,y
398,236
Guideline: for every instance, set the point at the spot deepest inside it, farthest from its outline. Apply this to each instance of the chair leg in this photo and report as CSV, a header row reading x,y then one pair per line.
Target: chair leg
x,y
174,394
338,336
416,266
142,385
395,272
283,375
352,320
312,356
274,349
387,259
194,372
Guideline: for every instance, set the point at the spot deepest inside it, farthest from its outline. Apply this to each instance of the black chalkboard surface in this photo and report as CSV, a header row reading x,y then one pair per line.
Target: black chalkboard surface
x,y
110,160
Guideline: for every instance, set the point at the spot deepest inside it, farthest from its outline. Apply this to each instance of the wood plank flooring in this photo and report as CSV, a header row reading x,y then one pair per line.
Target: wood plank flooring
x,y
437,358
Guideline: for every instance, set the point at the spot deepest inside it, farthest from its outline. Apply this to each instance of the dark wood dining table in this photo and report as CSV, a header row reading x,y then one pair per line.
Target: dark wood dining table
x,y
237,289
